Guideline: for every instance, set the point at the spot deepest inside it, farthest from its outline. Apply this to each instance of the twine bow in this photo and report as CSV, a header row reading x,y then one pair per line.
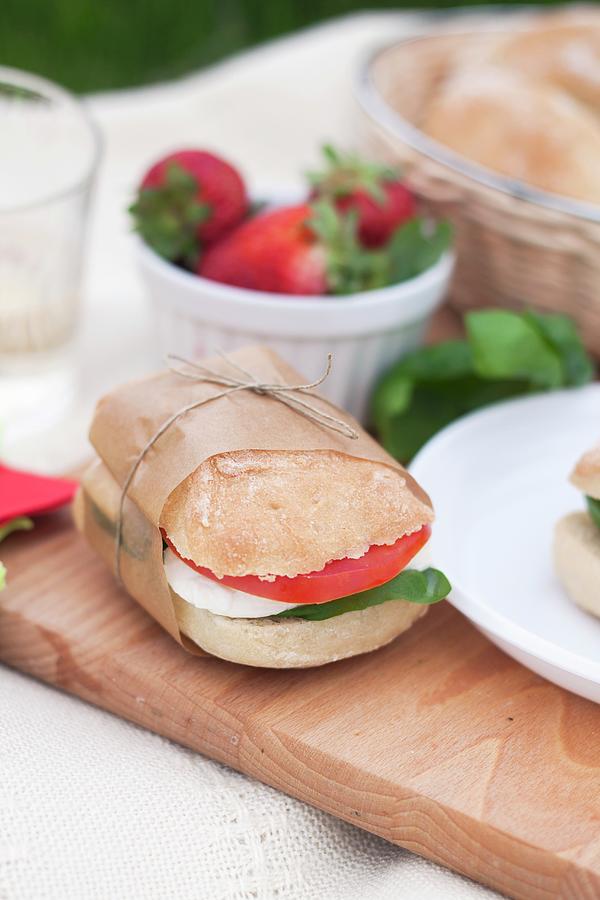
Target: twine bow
x,y
243,381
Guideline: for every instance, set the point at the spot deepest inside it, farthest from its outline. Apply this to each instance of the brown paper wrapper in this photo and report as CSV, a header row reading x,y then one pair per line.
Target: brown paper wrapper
x,y
126,420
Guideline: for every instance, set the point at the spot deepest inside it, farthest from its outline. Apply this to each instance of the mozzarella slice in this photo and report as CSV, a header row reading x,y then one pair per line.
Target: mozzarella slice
x,y
204,593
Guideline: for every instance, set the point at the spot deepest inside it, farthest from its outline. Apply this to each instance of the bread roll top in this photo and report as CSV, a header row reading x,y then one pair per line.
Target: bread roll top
x,y
586,474
521,128
526,103
268,512
562,52
242,483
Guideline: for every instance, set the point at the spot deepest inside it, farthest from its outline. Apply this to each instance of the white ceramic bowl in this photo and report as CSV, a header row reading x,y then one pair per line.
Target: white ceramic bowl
x,y
365,332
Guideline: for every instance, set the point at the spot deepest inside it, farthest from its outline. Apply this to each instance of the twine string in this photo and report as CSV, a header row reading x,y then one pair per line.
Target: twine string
x,y
284,393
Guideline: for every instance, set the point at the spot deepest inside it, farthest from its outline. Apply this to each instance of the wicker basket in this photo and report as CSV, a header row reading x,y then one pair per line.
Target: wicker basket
x,y
517,245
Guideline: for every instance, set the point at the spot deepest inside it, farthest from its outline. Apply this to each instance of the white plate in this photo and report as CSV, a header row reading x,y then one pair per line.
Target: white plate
x,y
498,481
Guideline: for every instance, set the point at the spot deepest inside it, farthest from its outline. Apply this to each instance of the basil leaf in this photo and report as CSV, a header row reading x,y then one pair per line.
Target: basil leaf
x,y
435,405
561,333
438,362
22,523
506,354
425,388
593,506
414,247
426,587
509,345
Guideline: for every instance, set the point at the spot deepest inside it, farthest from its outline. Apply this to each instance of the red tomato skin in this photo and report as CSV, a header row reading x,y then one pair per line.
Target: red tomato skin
x,y
339,578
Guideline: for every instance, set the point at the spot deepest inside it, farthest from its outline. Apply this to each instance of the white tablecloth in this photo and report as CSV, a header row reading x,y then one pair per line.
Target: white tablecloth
x,y
91,806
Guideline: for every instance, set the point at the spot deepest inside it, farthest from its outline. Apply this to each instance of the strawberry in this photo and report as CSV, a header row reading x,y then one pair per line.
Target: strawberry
x,y
187,200
275,251
314,249
379,198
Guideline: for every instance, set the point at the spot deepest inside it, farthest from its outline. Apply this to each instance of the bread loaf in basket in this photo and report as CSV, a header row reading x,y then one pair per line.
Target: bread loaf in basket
x,y
519,173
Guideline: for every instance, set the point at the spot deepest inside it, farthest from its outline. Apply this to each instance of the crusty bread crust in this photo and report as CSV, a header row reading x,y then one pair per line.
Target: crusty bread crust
x,y
521,128
549,54
296,643
577,559
267,513
586,474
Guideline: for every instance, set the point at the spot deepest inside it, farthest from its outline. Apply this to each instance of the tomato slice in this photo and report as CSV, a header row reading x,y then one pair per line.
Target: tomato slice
x,y
339,578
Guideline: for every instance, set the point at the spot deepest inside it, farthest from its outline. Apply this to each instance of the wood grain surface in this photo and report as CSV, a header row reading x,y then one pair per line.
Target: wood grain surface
x,y
438,742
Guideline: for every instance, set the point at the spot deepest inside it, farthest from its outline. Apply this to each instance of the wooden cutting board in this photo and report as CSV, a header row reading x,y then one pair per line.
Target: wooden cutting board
x,y
438,742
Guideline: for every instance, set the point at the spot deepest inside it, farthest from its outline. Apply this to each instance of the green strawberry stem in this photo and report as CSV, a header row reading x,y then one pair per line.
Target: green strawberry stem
x,y
167,217
413,247
344,173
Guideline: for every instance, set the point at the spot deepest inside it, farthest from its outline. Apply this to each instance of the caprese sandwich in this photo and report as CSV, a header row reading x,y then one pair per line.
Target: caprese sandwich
x,y
291,559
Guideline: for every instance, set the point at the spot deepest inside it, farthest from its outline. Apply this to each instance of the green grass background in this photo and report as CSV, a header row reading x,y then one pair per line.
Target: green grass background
x,y
91,45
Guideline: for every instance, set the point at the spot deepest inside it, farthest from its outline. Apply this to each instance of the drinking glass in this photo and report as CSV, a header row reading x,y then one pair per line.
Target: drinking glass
x,y
49,151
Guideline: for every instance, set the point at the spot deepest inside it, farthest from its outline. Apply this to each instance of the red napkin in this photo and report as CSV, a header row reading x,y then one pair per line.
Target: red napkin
x,y
23,494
